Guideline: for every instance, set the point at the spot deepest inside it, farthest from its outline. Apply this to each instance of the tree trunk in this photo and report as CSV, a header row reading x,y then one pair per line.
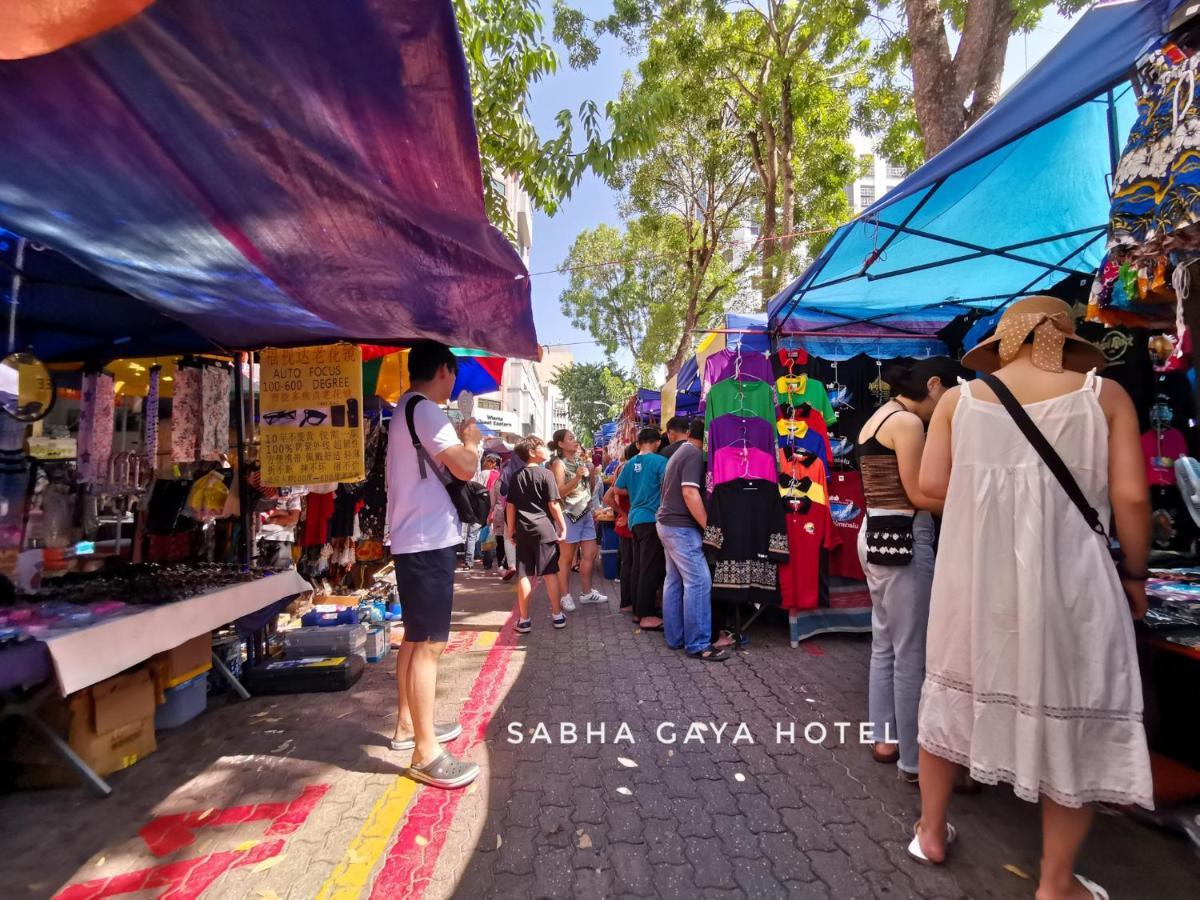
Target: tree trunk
x,y
991,69
939,111
787,226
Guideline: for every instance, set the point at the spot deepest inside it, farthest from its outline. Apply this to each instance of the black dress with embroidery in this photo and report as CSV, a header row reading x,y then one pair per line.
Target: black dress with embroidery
x,y
748,531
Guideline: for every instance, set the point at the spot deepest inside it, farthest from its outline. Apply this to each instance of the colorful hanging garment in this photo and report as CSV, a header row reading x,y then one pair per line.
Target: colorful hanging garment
x,y
150,418
186,408
809,531
743,398
747,530
214,401
740,447
94,444
736,364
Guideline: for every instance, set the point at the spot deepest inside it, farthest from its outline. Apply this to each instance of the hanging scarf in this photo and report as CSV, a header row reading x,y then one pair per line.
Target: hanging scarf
x,y
150,417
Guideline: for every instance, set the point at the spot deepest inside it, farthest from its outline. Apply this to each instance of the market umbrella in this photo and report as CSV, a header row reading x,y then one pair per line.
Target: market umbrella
x,y
385,372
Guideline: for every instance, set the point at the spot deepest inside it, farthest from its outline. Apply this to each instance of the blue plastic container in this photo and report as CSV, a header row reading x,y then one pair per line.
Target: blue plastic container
x,y
184,703
326,618
610,544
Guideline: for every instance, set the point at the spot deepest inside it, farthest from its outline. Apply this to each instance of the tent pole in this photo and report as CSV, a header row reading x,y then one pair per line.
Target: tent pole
x,y
1114,154
826,255
15,298
239,394
879,251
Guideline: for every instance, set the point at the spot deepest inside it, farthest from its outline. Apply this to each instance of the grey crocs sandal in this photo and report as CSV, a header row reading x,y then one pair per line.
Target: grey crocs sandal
x,y
445,771
445,732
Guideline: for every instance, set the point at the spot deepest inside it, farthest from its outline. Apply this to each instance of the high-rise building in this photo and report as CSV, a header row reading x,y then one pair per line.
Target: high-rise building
x,y
878,175
558,413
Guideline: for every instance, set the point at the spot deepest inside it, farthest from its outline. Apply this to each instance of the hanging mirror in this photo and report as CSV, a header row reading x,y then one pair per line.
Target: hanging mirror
x,y
26,387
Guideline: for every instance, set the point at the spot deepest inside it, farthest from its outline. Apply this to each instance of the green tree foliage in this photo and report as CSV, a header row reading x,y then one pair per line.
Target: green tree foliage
x,y
924,96
673,269
594,393
506,54
786,70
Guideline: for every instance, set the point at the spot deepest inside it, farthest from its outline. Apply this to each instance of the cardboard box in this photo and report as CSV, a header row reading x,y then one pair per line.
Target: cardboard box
x,y
118,702
122,699
184,662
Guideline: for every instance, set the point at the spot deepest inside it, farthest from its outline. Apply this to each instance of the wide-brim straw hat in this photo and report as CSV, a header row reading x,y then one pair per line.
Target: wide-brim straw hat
x,y
1024,317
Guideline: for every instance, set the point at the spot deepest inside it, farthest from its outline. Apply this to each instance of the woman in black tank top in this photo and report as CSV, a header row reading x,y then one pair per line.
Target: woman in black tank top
x,y
896,550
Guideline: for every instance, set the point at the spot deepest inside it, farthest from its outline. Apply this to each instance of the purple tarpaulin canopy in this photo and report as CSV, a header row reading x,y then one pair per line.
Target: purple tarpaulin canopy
x,y
274,172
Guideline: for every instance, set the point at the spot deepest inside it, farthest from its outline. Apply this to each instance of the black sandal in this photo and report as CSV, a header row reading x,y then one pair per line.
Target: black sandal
x,y
711,654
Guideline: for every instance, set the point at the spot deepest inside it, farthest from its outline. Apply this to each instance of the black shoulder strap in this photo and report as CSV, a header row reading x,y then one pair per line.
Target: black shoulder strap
x,y
875,433
1048,454
423,456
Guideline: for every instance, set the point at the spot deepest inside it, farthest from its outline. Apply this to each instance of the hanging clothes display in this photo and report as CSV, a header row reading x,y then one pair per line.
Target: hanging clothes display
x,y
802,474
150,417
215,382
740,447
95,439
744,398
788,426
372,518
736,364
318,509
804,389
186,412
809,533
747,529
848,509
789,362
1156,187
798,436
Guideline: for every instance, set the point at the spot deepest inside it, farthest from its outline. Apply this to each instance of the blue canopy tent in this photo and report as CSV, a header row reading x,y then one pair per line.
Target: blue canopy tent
x,y
1012,207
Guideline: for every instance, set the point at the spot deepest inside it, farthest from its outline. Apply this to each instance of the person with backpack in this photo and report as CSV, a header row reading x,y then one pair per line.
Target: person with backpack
x,y
424,452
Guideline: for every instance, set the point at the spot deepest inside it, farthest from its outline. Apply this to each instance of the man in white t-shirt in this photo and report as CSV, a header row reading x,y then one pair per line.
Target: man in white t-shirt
x,y
425,532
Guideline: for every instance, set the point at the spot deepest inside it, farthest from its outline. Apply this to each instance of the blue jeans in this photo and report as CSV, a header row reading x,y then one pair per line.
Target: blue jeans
x,y
470,536
687,591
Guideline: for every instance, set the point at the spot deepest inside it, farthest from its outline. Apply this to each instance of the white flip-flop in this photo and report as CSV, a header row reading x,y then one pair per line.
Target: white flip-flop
x,y
915,851
1097,892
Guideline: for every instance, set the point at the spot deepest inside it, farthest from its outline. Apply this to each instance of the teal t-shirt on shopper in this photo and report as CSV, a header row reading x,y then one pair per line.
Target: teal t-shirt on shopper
x,y
642,477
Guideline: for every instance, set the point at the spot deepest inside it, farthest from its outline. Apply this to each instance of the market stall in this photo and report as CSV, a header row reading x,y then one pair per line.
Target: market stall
x,y
204,307
1078,183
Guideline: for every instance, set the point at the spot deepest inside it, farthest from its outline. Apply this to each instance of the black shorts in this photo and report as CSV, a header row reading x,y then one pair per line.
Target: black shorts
x,y
426,583
537,559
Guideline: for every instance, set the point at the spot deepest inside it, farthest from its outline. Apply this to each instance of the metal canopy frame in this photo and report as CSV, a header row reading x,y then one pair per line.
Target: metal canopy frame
x,y
978,251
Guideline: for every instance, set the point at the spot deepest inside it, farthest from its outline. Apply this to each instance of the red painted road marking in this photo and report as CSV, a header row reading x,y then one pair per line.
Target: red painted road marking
x,y
812,648
166,834
409,865
184,880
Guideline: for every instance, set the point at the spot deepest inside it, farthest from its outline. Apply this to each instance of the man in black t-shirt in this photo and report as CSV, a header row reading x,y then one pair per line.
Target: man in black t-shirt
x,y
677,433
535,525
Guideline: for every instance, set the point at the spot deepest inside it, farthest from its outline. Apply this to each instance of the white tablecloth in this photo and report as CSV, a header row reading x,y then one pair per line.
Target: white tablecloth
x,y
89,655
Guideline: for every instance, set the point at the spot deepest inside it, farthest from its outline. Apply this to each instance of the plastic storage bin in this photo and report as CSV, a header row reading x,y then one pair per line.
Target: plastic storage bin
x,y
378,644
610,545
327,616
336,640
184,702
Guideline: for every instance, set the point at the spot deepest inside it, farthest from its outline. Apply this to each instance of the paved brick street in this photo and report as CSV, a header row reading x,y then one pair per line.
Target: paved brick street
x,y
300,797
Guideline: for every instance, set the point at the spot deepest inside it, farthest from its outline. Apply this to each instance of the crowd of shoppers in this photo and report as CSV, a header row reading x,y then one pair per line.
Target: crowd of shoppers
x,y
1002,644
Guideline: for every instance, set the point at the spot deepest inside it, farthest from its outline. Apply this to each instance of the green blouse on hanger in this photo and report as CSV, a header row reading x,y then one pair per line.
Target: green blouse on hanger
x,y
745,398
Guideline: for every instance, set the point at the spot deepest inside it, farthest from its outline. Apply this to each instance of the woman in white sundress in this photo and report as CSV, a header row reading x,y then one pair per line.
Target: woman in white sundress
x,y
1031,669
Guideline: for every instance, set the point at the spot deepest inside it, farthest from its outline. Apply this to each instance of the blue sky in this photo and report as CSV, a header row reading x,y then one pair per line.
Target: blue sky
x,y
593,203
